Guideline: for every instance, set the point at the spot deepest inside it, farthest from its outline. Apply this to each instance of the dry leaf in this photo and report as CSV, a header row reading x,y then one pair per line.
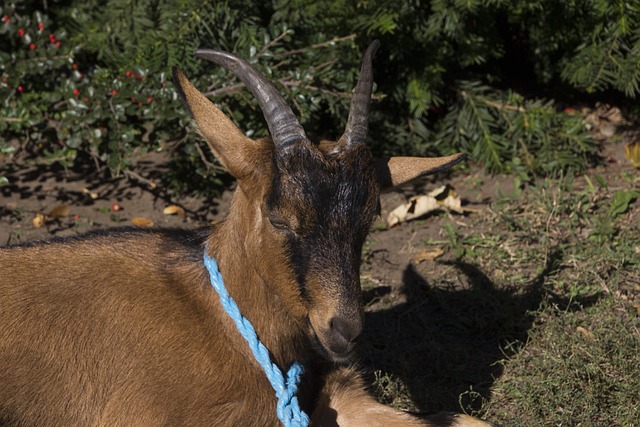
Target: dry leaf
x,y
417,206
632,152
614,115
142,222
38,221
59,211
587,334
173,210
428,255
448,198
94,195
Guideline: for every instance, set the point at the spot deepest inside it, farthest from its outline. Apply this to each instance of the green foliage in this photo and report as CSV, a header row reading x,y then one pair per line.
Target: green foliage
x,y
508,133
89,78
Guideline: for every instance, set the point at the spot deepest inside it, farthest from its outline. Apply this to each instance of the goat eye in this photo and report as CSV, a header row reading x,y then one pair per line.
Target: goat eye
x,y
280,225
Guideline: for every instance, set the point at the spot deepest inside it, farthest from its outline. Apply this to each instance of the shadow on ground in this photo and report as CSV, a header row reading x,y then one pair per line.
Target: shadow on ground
x,y
446,345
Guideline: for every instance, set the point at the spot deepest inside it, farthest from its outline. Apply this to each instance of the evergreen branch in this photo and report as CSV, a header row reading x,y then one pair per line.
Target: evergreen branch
x,y
601,68
485,132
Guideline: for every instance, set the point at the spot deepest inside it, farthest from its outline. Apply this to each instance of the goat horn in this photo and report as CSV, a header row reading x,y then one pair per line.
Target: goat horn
x,y
358,122
283,124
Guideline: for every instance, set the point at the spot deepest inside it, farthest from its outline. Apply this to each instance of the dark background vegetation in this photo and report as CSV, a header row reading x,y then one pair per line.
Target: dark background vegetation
x,y
89,81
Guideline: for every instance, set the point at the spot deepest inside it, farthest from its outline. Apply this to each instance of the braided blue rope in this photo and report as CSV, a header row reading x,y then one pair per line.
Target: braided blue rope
x,y
287,409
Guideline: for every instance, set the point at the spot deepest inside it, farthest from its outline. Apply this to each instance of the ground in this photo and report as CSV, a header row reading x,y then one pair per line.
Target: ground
x,y
529,315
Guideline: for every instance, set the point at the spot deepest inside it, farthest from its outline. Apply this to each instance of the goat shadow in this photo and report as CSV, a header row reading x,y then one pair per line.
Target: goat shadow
x,y
445,345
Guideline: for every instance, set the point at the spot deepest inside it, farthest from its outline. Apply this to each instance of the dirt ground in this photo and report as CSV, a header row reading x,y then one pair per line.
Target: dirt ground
x,y
86,200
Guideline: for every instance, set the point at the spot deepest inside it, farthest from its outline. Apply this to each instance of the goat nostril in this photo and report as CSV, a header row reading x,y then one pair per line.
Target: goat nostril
x,y
345,332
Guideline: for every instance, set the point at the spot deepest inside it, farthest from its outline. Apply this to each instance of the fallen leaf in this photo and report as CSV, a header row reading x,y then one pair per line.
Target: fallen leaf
x,y
142,222
38,221
428,255
59,211
614,115
441,198
94,195
632,152
587,334
173,210
447,197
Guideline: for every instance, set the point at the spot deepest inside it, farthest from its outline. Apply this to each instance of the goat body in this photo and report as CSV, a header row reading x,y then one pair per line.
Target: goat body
x,y
122,327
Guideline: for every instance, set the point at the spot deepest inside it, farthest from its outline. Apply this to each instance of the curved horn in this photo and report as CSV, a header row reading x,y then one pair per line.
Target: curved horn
x,y
358,122
283,124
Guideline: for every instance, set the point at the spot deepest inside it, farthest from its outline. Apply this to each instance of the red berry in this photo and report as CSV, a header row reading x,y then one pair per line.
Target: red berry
x,y
139,104
20,88
149,99
4,80
133,100
32,46
86,99
52,38
40,25
76,217
128,74
114,92
6,19
57,44
20,32
76,92
74,66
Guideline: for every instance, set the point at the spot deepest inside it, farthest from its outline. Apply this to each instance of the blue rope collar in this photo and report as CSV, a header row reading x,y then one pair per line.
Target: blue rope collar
x,y
288,409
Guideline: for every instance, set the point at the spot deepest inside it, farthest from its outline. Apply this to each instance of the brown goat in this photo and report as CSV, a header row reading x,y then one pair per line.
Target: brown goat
x,y
121,327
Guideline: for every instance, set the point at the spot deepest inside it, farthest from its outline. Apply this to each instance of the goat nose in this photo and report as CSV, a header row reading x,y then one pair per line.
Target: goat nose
x,y
344,334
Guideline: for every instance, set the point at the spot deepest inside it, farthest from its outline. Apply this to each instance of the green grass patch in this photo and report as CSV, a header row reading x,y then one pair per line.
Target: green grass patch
x,y
532,317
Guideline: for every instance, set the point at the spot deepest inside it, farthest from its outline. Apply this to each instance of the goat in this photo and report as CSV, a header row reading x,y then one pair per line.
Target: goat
x,y
121,327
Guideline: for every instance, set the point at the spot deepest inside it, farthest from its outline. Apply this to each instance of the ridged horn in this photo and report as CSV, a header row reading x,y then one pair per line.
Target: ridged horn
x,y
358,122
283,125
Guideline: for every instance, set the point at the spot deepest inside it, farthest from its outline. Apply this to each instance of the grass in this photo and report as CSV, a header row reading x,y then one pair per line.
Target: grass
x,y
533,317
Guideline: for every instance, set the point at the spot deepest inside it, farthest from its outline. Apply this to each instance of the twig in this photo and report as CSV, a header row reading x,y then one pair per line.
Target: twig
x,y
206,162
223,90
502,106
271,43
315,46
133,175
498,105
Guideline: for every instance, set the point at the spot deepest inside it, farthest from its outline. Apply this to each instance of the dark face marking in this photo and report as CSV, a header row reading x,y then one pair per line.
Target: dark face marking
x,y
324,202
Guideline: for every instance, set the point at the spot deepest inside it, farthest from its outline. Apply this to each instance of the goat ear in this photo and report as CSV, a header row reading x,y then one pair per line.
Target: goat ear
x,y
227,142
395,171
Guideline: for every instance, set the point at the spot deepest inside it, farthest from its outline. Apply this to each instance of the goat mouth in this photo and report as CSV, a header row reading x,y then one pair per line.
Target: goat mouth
x,y
326,352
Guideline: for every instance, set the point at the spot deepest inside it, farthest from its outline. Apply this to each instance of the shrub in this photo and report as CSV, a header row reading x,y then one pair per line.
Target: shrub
x,y
90,79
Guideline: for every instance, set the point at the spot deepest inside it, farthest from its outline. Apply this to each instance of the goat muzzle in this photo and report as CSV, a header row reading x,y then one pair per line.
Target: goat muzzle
x,y
338,339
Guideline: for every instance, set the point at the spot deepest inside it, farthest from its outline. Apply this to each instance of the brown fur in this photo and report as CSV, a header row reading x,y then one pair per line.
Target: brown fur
x,y
122,328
